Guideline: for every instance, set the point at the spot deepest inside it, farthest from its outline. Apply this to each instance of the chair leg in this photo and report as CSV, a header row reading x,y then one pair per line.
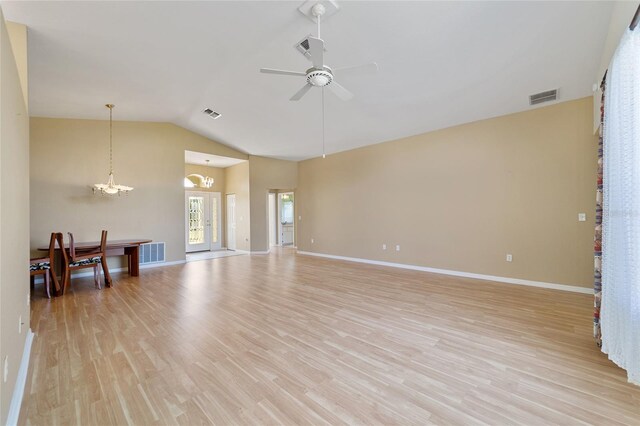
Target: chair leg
x,y
99,268
96,276
47,285
65,280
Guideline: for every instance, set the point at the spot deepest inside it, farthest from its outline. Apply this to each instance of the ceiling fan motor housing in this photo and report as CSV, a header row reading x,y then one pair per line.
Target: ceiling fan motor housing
x,y
319,78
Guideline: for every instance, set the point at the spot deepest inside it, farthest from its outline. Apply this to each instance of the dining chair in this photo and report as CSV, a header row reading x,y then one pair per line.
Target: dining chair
x,y
44,266
74,259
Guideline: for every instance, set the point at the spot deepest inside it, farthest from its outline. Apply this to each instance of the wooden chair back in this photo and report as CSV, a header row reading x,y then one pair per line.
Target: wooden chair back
x,y
52,247
47,272
72,247
63,252
103,242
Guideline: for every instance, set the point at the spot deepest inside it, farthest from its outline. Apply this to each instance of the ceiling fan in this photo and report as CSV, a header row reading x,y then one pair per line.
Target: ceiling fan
x,y
320,75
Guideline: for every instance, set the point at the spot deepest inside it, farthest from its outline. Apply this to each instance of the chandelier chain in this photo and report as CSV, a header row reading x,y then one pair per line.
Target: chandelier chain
x,y
110,138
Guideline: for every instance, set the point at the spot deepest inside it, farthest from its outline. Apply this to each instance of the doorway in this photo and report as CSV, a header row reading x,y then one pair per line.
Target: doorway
x,y
203,221
231,221
286,215
272,214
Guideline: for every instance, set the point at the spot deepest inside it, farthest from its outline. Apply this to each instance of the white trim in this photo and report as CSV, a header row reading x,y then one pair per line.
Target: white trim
x,y
261,252
507,280
39,279
18,390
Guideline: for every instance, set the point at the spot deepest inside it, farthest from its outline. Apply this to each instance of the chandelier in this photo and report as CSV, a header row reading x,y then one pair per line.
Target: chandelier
x,y
207,182
110,188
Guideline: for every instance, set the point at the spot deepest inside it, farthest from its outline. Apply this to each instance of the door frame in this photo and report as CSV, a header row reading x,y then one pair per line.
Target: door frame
x,y
272,219
218,196
230,221
279,216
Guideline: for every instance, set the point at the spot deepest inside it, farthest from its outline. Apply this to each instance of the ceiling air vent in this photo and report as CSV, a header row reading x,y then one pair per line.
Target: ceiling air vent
x,y
211,113
538,98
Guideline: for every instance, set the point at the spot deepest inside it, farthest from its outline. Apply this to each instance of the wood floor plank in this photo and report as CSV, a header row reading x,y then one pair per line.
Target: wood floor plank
x,y
291,339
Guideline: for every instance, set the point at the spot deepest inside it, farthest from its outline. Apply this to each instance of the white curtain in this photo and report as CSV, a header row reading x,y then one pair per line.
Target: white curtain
x,y
620,309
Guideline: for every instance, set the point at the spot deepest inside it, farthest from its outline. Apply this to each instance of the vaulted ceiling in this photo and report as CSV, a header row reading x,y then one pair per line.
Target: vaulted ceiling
x,y
440,64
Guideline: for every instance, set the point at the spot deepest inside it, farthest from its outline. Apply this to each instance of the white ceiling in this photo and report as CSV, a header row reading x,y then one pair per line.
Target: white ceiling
x,y
200,158
441,64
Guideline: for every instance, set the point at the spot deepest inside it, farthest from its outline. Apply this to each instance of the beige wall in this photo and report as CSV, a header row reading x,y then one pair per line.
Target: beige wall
x,y
267,174
462,198
68,156
14,216
621,17
237,182
18,37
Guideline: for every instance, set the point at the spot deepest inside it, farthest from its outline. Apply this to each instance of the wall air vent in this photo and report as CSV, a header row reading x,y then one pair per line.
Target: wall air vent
x,y
548,96
211,113
151,253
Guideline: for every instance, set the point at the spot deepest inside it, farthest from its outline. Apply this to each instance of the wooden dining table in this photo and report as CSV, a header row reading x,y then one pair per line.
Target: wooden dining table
x,y
128,247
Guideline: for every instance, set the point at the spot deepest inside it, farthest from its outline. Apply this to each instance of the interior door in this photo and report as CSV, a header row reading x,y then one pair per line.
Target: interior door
x,y
286,221
198,221
231,221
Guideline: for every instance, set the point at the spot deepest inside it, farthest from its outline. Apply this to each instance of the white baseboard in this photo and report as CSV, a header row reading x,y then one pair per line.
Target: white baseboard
x,y
507,280
18,390
261,252
89,273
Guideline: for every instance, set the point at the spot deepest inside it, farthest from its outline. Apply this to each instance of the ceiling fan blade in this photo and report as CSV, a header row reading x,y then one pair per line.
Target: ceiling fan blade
x,y
316,49
281,72
362,69
340,91
300,93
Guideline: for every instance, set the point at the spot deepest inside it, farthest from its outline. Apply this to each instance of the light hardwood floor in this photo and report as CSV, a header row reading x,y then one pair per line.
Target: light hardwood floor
x,y
288,339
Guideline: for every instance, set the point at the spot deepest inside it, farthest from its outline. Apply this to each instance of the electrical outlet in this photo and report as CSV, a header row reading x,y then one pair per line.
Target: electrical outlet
x,y
582,217
299,217
509,258
384,247
20,324
398,247
313,241
6,369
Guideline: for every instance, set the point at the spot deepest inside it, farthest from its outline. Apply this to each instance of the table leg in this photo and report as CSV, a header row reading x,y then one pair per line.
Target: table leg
x,y
134,261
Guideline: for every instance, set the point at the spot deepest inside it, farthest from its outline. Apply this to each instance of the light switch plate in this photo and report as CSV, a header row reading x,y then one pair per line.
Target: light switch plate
x,y
582,217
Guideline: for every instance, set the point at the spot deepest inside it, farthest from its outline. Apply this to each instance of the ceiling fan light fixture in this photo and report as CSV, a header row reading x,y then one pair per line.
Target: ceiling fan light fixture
x,y
319,78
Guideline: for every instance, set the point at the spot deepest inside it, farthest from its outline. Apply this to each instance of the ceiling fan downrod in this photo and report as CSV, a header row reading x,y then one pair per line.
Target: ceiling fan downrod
x,y
318,10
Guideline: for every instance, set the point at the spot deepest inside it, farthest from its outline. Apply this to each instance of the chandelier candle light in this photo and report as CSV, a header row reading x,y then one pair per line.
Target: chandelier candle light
x,y
110,188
